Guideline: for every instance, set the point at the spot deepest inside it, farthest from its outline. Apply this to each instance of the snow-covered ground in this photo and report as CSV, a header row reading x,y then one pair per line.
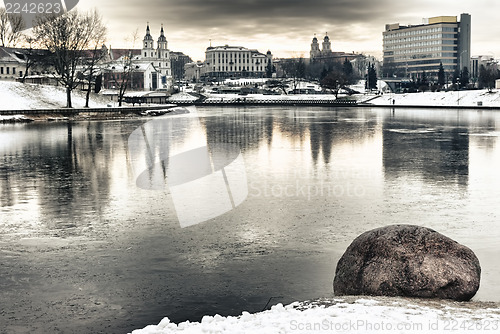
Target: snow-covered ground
x,y
16,95
349,315
451,98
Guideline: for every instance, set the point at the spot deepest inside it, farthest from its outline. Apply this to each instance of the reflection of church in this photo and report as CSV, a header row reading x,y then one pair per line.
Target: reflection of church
x,y
325,53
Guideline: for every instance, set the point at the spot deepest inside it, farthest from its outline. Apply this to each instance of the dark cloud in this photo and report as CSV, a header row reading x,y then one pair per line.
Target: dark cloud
x,y
267,13
358,24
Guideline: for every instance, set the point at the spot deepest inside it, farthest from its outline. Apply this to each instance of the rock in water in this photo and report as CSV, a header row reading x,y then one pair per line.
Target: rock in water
x,y
409,261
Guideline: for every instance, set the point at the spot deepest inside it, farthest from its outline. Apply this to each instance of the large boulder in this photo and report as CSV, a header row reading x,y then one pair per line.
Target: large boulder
x,y
409,261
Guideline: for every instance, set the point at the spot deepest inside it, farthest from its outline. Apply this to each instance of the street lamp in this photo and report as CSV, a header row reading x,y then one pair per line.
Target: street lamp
x,y
458,91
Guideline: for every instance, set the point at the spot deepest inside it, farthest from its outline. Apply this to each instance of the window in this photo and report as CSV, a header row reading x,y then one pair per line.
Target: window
x,y
8,69
13,70
1,70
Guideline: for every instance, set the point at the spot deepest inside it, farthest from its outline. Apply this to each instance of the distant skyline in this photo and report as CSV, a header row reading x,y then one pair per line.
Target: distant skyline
x,y
285,27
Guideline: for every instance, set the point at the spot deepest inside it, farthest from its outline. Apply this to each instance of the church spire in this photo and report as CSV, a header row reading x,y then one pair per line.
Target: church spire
x,y
162,38
148,34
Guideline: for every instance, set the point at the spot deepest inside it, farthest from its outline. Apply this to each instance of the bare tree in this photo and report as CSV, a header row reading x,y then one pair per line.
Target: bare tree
x,y
32,56
295,69
11,27
67,37
335,80
121,72
96,53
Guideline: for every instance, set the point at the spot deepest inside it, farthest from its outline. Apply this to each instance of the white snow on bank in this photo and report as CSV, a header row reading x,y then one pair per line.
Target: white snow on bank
x,y
16,95
13,118
348,315
451,98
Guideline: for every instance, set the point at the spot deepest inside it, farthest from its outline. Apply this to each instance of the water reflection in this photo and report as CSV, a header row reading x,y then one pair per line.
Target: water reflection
x,y
56,171
317,178
436,153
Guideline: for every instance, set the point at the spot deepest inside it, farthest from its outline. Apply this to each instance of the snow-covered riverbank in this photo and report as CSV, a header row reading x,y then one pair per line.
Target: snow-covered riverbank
x,y
349,315
18,96
463,98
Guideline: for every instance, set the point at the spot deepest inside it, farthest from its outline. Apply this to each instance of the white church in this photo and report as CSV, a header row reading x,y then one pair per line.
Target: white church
x,y
151,65
159,58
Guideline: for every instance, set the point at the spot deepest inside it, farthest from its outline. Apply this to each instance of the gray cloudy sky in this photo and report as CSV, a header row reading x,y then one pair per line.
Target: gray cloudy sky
x,y
286,27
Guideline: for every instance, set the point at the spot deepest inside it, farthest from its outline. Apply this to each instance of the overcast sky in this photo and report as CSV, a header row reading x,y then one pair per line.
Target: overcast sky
x,y
286,27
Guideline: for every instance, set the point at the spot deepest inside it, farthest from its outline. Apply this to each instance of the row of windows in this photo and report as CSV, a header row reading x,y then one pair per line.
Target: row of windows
x,y
410,62
237,61
7,70
424,31
390,52
420,53
239,68
421,44
430,69
418,38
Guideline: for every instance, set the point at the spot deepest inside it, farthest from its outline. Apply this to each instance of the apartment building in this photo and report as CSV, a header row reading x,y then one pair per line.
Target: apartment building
x,y
411,50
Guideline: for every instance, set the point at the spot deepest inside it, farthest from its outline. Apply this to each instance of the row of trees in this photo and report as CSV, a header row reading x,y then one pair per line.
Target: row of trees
x,y
458,79
69,44
332,74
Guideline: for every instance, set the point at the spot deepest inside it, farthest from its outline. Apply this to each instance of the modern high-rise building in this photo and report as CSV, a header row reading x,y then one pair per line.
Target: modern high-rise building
x,y
411,50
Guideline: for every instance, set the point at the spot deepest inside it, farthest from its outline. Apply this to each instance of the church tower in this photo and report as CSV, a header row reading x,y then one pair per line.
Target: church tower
x,y
163,55
327,46
147,46
314,48
162,44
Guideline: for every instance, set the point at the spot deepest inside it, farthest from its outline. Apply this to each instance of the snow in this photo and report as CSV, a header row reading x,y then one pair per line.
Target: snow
x,y
15,95
19,96
451,98
348,315
13,118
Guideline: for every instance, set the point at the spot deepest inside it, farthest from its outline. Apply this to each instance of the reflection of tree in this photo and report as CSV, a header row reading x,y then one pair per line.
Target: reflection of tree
x,y
67,167
329,130
247,130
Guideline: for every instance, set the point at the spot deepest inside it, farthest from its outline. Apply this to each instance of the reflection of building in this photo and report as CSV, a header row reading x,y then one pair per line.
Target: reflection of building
x,y
411,50
235,62
326,54
432,155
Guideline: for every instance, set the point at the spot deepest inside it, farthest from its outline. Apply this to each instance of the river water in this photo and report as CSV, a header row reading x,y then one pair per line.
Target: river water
x,y
92,244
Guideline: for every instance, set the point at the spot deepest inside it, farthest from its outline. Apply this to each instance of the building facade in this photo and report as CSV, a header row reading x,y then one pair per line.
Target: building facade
x,y
325,54
177,62
317,53
411,50
235,62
